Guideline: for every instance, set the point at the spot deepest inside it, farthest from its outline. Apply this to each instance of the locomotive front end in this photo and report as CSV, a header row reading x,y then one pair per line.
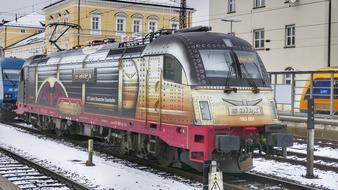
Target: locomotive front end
x,y
232,103
236,105
9,76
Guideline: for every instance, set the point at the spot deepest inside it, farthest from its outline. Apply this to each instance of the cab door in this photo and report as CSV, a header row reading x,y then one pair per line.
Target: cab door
x,y
153,91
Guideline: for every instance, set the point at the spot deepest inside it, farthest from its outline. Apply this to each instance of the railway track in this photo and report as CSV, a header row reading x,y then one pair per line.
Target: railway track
x,y
243,181
27,174
320,162
319,142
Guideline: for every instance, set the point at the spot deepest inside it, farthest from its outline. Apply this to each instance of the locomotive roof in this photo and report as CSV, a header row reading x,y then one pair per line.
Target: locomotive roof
x,y
184,46
11,63
207,40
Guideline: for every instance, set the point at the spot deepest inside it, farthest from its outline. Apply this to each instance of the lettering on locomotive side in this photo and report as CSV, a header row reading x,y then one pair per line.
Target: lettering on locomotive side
x,y
84,75
101,99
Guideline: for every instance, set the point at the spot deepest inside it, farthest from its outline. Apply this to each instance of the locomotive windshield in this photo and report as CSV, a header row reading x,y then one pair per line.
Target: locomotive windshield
x,y
249,64
218,63
10,74
237,68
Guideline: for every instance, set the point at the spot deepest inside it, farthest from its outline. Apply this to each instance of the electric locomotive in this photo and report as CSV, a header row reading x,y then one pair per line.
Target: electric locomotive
x,y
9,77
183,97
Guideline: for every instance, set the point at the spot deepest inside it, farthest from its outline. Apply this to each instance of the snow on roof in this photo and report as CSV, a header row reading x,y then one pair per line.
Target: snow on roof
x,y
33,20
30,40
160,3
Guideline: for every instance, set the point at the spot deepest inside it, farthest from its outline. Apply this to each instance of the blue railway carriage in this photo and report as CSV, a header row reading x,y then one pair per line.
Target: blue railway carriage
x,y
9,77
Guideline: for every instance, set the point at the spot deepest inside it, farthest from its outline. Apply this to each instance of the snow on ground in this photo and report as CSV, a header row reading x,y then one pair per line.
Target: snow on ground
x,y
326,179
319,150
106,174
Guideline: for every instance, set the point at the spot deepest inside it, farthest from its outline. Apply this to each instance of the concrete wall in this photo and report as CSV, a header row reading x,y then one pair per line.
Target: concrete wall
x,y
310,18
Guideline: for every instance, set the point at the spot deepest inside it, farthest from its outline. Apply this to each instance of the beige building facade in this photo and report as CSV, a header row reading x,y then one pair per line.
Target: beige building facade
x,y
288,34
103,19
34,45
21,28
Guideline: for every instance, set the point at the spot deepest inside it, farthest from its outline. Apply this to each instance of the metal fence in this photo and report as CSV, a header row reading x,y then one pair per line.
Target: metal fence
x,y
292,89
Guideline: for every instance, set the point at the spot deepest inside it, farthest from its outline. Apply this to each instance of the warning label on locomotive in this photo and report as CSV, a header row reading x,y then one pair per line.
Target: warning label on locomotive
x,y
245,110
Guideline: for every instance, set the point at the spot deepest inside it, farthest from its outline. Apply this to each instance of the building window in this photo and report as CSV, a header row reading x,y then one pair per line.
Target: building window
x,y
152,26
288,76
66,44
96,23
23,30
50,29
120,25
259,39
290,36
259,3
174,25
66,17
58,20
231,6
137,24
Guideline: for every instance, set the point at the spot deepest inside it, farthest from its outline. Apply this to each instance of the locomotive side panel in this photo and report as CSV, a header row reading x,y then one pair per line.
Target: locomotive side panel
x,y
101,94
176,96
105,87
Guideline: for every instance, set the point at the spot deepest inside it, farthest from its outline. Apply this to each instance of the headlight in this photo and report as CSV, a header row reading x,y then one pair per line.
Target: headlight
x,y
205,111
273,109
7,96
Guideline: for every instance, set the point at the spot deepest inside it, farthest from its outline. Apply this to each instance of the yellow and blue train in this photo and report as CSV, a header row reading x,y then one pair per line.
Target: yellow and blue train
x,y
9,77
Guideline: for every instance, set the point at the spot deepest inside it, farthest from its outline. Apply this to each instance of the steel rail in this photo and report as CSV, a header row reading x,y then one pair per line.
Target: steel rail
x,y
297,162
317,158
287,184
318,142
59,177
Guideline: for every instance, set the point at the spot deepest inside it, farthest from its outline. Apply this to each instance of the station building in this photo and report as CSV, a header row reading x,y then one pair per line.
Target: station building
x,y
106,19
288,34
33,45
20,29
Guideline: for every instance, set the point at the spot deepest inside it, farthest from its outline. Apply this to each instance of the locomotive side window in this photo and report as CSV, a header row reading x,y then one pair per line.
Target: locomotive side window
x,y
172,70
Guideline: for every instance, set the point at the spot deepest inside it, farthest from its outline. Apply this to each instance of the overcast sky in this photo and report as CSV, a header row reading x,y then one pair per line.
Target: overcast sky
x,y
9,8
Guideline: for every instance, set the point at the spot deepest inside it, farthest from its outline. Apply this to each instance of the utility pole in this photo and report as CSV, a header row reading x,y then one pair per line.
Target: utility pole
x,y
329,36
311,133
78,22
231,21
183,14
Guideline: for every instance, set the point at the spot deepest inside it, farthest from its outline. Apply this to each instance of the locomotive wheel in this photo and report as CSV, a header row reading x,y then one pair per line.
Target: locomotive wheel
x,y
122,148
164,154
59,132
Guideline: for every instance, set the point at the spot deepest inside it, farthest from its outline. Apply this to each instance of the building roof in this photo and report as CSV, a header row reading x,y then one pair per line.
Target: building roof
x,y
36,38
156,3
32,20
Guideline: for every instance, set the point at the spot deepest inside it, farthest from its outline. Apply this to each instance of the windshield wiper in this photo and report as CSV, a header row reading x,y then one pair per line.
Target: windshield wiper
x,y
250,81
227,88
261,77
